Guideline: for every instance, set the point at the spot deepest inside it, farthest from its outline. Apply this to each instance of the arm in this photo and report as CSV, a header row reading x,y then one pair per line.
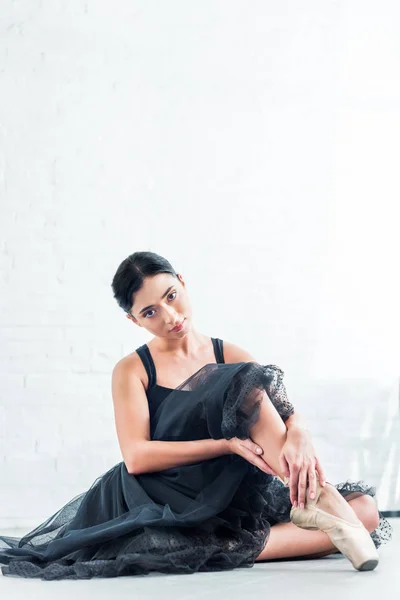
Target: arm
x,y
132,419
154,455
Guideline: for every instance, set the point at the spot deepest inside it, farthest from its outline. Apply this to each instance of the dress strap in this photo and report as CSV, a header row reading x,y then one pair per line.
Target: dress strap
x,y
218,350
147,360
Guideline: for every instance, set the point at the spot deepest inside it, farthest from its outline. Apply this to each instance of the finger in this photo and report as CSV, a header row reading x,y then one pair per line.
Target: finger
x,y
302,486
284,465
294,484
263,466
256,448
321,474
312,482
266,467
257,461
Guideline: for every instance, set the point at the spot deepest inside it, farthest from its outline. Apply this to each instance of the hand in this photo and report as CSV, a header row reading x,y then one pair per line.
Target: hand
x,y
299,462
248,450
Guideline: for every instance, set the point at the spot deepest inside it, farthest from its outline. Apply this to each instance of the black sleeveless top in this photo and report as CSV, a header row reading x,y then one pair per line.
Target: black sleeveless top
x,y
157,393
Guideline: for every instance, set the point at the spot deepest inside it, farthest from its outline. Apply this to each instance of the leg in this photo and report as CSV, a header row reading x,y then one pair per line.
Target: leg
x,y
270,433
288,541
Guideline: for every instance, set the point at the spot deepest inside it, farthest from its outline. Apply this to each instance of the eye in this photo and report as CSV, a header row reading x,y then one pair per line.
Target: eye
x,y
152,310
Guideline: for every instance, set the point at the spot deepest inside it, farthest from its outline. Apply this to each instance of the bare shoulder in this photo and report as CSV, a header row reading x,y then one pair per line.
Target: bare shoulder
x,y
133,364
234,353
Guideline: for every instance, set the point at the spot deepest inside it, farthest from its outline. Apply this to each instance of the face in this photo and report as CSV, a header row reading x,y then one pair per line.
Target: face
x,y
160,304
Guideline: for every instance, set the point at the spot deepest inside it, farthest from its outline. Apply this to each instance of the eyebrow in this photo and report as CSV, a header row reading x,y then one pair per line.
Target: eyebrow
x,y
151,305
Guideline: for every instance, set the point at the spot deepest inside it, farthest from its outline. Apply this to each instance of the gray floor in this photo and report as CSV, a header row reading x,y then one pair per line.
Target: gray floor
x,y
331,577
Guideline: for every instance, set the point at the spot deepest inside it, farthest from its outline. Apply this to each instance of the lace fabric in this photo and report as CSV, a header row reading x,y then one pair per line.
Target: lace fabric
x,y
211,515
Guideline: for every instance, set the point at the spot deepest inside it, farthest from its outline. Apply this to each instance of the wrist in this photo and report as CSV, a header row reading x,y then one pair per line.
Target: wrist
x,y
226,445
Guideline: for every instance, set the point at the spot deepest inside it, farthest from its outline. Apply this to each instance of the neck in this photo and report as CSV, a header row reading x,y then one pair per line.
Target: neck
x,y
185,346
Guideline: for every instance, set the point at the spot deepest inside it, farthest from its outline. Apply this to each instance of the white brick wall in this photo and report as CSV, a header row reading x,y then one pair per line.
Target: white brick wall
x,y
271,130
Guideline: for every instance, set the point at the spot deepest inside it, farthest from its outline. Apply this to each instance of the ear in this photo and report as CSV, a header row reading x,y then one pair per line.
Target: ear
x,y
181,279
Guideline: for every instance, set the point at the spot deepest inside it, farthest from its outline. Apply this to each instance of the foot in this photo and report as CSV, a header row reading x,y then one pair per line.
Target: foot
x,y
332,502
330,513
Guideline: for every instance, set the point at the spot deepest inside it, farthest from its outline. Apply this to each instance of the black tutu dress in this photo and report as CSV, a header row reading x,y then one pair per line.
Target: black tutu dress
x,y
212,515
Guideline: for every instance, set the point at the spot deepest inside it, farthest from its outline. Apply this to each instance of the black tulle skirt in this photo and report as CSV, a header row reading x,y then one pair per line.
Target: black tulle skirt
x,y
212,515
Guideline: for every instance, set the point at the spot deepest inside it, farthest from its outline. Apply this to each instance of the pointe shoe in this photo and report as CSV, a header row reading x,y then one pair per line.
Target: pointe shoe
x,y
352,540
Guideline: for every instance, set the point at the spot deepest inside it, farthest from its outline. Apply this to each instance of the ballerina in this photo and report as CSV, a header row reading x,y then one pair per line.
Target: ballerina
x,y
218,469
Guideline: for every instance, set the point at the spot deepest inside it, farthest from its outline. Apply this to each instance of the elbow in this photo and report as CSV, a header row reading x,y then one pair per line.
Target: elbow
x,y
131,467
133,463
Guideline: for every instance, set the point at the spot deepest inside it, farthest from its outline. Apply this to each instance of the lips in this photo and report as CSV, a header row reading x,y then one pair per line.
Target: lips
x,y
178,326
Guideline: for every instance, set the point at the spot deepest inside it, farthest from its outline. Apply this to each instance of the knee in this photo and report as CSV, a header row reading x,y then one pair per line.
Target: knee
x,y
366,510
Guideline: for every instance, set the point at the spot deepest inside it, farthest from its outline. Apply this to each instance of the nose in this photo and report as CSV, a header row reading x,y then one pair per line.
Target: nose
x,y
171,317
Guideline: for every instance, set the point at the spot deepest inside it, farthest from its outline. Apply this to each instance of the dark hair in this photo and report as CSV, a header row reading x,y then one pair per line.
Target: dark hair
x,y
132,272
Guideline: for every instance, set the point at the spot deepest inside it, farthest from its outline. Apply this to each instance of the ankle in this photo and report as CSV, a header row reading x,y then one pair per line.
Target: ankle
x,y
332,501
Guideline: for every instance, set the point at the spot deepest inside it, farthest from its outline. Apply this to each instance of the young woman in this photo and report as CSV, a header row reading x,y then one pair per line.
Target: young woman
x,y
192,492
